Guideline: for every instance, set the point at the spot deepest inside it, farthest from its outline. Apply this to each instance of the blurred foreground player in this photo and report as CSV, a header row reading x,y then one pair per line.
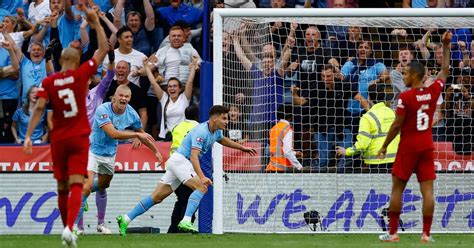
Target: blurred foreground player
x,y
414,117
66,91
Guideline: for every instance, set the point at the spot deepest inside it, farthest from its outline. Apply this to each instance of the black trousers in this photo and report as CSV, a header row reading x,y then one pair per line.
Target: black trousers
x,y
378,168
8,108
182,193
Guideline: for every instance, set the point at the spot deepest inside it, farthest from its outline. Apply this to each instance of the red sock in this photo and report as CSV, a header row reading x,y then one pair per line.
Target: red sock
x,y
74,203
62,204
393,223
427,220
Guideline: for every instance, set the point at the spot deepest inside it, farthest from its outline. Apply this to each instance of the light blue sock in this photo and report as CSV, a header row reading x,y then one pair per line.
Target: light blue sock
x,y
193,203
81,210
142,206
95,185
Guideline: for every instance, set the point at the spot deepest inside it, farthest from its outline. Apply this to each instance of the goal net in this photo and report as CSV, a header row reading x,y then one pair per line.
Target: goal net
x,y
316,68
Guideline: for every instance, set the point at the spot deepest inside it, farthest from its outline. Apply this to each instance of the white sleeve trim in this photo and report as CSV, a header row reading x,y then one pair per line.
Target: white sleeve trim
x,y
288,150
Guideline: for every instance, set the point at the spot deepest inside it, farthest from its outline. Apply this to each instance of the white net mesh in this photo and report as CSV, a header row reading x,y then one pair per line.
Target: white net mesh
x,y
318,70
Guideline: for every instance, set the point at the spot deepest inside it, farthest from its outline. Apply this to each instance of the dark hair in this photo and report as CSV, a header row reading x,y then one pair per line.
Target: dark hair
x,y
175,79
418,69
376,93
407,47
134,13
182,23
26,104
365,40
122,30
285,112
467,72
218,110
328,67
192,112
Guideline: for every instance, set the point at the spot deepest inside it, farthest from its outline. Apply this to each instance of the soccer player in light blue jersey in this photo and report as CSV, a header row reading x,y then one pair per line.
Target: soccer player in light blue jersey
x,y
183,167
109,124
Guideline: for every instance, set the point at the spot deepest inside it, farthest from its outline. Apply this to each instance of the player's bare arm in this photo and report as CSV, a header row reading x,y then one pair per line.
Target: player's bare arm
x,y
232,144
94,23
149,142
35,118
392,133
446,40
110,130
194,158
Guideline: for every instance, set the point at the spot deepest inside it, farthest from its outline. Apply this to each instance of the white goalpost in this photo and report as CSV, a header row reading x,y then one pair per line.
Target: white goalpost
x,y
314,62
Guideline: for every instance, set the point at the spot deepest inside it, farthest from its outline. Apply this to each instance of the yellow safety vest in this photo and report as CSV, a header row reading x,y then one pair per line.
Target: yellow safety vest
x,y
179,132
373,129
278,161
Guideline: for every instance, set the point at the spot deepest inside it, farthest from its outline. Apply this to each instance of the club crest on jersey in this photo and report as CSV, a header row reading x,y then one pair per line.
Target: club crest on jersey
x,y
199,139
400,103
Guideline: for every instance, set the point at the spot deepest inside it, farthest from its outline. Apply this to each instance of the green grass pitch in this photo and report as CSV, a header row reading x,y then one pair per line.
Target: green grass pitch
x,y
236,240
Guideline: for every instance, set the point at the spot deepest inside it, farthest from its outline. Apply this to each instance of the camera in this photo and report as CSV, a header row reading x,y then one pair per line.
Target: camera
x,y
457,95
456,86
308,65
384,220
313,219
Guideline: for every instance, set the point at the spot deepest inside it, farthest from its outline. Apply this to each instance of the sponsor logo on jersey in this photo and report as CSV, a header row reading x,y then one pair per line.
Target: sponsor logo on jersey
x,y
400,104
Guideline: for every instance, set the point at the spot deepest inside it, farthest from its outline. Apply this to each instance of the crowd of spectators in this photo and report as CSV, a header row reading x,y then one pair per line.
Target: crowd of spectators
x,y
154,44
323,72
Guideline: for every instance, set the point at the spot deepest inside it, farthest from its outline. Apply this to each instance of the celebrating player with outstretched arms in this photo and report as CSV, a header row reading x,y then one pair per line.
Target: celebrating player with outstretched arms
x,y
111,121
183,167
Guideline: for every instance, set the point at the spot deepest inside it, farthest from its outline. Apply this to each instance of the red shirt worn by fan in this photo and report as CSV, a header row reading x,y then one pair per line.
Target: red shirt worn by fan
x,y
418,106
66,92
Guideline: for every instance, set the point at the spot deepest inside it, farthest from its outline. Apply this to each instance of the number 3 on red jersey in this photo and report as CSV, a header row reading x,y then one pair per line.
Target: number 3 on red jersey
x,y
68,97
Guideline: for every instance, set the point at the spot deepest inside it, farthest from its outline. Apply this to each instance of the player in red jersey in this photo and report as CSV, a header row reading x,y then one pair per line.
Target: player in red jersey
x,y
414,117
66,91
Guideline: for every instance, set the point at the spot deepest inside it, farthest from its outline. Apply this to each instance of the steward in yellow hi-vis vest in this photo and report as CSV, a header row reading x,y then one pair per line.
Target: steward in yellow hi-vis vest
x,y
373,128
180,131
282,156
191,113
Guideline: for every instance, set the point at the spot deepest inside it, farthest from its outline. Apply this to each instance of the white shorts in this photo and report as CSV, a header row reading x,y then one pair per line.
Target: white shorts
x,y
178,170
101,164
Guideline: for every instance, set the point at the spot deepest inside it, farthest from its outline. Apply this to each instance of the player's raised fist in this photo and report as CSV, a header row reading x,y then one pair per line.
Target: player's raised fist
x,y
20,12
92,17
446,39
7,45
